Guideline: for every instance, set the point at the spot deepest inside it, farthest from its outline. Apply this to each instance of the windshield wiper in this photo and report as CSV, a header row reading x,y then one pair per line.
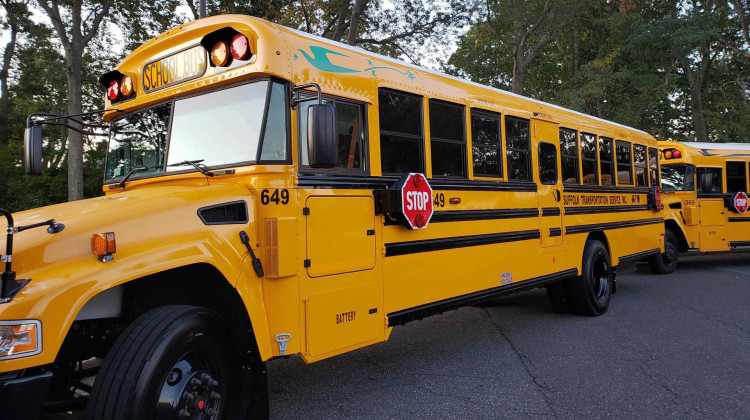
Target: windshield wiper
x,y
121,184
195,164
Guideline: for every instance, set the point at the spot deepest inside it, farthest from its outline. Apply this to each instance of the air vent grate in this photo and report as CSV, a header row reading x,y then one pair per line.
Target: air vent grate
x,y
224,214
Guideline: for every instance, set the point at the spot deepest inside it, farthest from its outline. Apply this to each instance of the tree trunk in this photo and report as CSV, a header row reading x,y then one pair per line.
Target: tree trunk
x,y
75,139
696,111
359,7
519,70
4,91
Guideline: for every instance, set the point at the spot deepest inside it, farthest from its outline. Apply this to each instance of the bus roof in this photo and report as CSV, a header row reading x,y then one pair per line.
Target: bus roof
x,y
458,79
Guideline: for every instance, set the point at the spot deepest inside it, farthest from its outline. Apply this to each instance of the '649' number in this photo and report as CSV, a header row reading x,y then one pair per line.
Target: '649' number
x,y
274,196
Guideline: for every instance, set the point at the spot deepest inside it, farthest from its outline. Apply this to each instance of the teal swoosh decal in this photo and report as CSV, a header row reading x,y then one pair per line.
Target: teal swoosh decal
x,y
319,59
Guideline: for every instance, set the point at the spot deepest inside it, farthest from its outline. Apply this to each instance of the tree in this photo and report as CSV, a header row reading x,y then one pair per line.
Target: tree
x,y
75,31
16,17
526,27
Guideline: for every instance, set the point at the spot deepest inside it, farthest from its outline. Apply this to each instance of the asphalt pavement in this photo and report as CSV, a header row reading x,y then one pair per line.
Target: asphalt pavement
x,y
675,346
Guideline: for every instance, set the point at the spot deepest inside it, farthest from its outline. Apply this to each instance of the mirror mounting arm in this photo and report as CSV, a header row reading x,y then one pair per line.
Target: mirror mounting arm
x,y
296,89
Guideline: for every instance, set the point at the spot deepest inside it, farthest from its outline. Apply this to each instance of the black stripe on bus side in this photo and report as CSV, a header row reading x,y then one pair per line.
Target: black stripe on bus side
x,y
418,312
555,232
612,225
739,219
604,209
382,182
598,189
739,243
466,185
461,215
550,211
640,255
428,245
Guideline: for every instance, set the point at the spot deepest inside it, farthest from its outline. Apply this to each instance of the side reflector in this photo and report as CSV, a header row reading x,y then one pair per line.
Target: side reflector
x,y
240,47
113,91
103,244
127,86
220,54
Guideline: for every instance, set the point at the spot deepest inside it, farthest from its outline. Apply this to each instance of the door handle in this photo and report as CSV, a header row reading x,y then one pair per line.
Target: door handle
x,y
556,194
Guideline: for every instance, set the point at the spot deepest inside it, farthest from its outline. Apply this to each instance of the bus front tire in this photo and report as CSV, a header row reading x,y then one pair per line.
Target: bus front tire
x,y
172,362
591,292
666,263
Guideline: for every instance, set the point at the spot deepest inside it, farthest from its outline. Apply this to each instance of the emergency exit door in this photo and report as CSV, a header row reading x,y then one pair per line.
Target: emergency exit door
x,y
546,136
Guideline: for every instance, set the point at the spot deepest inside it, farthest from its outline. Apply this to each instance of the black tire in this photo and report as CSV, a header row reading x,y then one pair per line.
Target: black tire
x,y
171,356
666,263
591,292
558,296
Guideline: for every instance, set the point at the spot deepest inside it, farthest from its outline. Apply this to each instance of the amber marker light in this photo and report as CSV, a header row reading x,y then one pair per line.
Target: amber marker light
x,y
103,246
220,54
126,86
668,154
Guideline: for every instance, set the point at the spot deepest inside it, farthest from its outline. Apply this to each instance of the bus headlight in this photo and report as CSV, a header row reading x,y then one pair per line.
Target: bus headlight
x,y
20,338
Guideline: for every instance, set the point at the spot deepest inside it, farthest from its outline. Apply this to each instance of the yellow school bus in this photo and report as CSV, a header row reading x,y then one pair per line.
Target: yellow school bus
x,y
705,189
269,193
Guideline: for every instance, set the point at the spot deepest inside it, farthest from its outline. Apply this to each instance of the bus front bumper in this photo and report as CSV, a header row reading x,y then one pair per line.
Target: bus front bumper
x,y
21,398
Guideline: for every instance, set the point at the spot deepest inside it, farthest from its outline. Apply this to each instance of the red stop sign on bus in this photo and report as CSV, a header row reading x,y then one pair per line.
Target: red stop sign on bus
x,y
740,202
416,200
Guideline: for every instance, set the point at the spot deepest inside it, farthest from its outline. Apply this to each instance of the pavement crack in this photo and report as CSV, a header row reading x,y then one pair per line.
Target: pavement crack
x,y
542,387
708,317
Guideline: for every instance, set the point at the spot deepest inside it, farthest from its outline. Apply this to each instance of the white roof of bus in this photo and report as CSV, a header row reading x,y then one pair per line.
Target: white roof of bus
x,y
717,146
437,73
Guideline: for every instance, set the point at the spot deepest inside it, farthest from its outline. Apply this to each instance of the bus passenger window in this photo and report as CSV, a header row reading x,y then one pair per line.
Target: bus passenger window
x,y
517,145
351,140
606,162
653,165
588,161
716,181
641,171
569,154
401,140
547,163
486,144
624,163
736,177
447,139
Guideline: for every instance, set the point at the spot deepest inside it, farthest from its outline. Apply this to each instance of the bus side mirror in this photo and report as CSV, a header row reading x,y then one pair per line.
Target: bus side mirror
x,y
706,182
32,150
322,136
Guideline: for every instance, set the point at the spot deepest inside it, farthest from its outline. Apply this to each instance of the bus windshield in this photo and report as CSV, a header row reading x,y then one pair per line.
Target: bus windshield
x,y
678,177
218,128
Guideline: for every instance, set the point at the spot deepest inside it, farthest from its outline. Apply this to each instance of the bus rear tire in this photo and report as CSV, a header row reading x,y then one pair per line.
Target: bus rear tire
x,y
666,263
590,293
172,362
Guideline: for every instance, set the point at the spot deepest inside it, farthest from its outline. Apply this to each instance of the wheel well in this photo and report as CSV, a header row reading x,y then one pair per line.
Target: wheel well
x,y
199,285
681,239
601,237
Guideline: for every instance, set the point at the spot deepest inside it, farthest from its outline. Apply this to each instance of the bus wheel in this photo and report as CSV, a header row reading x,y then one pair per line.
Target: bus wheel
x,y
590,292
171,363
666,263
558,296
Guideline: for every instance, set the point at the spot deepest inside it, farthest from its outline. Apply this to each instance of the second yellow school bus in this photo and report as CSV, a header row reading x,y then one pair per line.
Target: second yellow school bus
x,y
705,189
258,205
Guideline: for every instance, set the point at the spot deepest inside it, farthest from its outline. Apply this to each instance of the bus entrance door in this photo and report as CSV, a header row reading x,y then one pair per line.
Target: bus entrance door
x,y
342,296
547,141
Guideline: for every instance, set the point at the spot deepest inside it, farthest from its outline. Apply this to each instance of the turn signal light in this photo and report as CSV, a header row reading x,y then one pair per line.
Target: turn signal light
x,y
103,245
113,91
126,88
220,54
240,47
